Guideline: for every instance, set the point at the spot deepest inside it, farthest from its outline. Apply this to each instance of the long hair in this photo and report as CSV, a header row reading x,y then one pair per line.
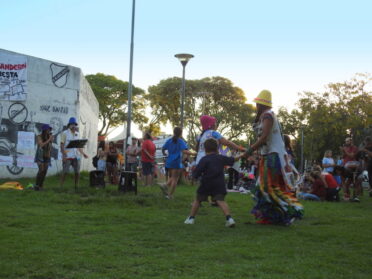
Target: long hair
x,y
260,109
44,135
177,132
326,152
287,142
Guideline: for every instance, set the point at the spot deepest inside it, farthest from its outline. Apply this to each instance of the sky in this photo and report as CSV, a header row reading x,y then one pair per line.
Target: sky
x,y
284,46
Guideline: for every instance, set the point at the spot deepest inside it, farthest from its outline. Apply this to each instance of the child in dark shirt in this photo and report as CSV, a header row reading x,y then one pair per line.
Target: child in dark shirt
x,y
211,171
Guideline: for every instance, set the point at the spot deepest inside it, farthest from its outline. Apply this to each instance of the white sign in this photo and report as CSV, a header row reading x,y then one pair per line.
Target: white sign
x,y
159,142
6,160
26,140
13,77
26,161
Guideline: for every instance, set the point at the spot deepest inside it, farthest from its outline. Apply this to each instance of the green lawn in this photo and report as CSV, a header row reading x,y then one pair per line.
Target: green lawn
x,y
58,233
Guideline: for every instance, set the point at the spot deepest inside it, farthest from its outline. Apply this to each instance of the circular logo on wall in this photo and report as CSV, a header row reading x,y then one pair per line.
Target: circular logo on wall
x,y
17,113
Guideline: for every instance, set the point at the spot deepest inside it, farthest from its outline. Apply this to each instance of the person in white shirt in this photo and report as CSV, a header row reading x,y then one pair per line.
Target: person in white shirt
x,y
71,156
328,163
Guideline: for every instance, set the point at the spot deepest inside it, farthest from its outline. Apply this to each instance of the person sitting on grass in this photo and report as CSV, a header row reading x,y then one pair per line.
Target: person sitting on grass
x,y
330,183
319,187
211,170
305,190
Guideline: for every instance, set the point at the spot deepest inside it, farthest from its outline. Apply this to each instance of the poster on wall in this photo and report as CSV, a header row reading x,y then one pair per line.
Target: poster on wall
x,y
26,140
13,77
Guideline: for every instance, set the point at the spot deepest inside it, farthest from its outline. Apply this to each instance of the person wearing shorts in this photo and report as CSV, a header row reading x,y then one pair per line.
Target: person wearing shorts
x,y
71,156
147,158
211,171
351,164
175,147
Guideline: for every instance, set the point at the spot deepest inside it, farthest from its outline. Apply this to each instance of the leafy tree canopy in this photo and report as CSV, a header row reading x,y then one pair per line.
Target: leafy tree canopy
x,y
214,96
112,96
344,109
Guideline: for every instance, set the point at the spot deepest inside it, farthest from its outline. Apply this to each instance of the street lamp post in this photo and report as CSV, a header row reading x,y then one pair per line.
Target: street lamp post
x,y
130,87
302,150
184,58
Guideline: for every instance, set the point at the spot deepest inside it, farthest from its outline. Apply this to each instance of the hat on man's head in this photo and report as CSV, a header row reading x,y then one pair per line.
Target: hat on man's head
x,y
45,127
72,120
264,98
207,121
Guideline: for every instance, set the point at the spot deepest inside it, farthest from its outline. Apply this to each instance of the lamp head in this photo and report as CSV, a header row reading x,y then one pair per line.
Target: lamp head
x,y
184,58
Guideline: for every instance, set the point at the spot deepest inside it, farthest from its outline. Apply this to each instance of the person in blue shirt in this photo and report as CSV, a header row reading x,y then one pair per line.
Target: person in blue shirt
x,y
101,163
328,163
176,147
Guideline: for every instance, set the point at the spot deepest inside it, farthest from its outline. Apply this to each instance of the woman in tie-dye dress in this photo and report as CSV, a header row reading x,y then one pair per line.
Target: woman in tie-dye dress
x,y
275,200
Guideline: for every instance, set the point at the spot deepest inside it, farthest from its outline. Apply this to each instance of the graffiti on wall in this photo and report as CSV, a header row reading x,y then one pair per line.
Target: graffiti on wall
x,y
60,74
16,136
54,109
18,131
86,131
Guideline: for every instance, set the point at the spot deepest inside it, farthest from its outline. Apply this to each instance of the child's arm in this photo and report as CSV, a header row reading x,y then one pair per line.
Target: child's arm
x,y
198,169
241,155
187,152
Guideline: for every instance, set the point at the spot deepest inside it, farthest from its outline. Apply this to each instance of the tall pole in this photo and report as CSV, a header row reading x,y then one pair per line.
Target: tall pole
x,y
183,94
183,58
302,150
129,117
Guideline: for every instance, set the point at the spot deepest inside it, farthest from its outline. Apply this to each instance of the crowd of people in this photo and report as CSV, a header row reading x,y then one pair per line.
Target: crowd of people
x,y
348,172
265,168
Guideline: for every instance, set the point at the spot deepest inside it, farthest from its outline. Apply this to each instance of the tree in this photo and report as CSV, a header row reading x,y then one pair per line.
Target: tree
x,y
153,128
112,96
344,109
214,96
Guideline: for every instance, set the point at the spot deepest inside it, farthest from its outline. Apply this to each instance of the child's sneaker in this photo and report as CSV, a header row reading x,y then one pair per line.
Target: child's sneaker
x,y
190,221
230,223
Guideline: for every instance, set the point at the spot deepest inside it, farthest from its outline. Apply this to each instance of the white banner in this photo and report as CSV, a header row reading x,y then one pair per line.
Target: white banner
x,y
13,77
26,140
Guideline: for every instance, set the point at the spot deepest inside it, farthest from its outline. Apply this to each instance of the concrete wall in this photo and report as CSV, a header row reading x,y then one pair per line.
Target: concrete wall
x,y
55,92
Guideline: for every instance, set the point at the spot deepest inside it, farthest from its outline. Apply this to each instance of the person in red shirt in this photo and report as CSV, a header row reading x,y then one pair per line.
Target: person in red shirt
x,y
332,187
329,182
349,151
148,149
318,187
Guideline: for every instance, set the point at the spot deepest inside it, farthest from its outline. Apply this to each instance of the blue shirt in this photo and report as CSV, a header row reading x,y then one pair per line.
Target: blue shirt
x,y
174,160
101,165
328,161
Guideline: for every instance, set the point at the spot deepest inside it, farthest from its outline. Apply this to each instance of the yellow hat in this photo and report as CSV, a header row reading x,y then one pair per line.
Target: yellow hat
x,y
264,98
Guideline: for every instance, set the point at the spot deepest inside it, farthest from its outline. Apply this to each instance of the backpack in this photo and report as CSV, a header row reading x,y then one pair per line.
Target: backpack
x,y
95,161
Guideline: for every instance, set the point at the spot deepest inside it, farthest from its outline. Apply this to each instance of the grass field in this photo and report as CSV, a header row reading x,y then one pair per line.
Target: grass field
x,y
58,233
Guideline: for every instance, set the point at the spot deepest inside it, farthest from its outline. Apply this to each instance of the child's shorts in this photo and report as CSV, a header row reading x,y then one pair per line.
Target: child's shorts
x,y
202,197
